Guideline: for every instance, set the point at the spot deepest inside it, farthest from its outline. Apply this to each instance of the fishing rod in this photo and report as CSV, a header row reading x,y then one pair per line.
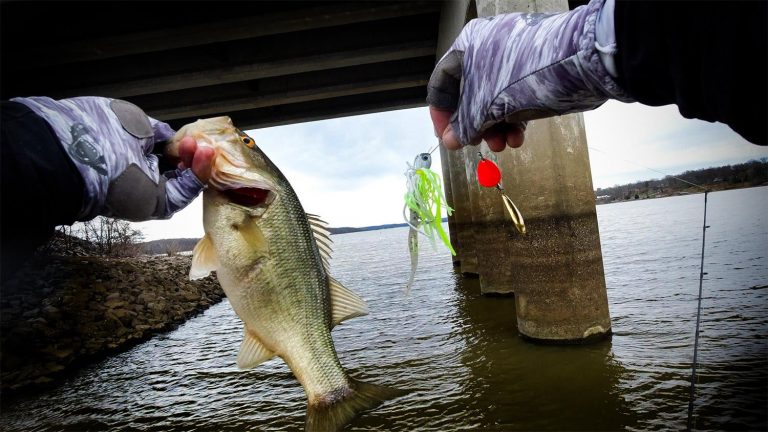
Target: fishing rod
x,y
698,319
692,394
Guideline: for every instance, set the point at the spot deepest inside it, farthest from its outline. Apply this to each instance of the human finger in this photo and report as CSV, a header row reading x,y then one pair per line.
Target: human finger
x,y
440,119
515,136
495,138
448,139
187,150
201,163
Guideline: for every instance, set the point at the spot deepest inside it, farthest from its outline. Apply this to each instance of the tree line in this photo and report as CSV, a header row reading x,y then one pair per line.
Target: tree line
x,y
748,174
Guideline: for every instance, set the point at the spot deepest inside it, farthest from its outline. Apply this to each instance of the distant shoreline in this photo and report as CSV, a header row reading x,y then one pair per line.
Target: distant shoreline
x,y
690,191
177,245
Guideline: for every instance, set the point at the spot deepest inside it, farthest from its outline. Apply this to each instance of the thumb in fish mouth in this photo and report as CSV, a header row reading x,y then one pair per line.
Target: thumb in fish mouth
x,y
199,158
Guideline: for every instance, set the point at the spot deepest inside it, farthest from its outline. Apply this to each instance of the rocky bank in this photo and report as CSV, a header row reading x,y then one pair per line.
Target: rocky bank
x,y
61,312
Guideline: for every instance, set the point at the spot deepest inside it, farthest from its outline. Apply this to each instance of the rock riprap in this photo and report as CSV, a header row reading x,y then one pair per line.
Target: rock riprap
x,y
61,312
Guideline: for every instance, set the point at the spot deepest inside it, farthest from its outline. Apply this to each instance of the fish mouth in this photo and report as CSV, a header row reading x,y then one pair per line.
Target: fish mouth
x,y
249,196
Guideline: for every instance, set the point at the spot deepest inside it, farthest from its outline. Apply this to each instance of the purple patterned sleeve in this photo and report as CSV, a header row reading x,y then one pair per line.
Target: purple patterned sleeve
x,y
522,66
183,186
110,142
181,190
162,131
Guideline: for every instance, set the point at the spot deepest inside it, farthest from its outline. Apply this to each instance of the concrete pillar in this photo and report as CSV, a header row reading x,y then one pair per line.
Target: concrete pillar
x,y
492,227
463,215
556,270
449,199
453,16
452,229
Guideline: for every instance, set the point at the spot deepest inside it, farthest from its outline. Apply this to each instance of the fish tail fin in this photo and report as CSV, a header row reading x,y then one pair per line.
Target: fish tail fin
x,y
336,409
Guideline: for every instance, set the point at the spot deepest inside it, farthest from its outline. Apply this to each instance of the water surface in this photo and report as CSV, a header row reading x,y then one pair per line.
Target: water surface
x,y
460,353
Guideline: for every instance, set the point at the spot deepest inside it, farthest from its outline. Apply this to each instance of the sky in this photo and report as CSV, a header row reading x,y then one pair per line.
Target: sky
x,y
350,170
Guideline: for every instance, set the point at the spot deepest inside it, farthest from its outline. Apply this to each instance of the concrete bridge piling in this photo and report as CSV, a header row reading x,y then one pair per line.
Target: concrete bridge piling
x,y
556,270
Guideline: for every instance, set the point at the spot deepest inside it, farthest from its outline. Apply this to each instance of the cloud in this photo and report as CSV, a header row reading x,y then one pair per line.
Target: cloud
x,y
630,142
187,223
350,170
349,149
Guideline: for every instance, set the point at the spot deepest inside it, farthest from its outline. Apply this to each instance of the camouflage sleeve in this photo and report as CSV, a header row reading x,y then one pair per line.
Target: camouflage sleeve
x,y
110,142
522,66
182,186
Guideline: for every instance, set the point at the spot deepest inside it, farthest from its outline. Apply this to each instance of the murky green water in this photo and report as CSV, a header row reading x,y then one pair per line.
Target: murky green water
x,y
460,352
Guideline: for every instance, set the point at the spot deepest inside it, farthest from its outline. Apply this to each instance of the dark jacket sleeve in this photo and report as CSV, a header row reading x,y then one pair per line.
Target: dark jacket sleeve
x,y
707,57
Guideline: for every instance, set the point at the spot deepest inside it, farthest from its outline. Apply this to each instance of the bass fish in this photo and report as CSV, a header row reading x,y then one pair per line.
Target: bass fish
x,y
271,258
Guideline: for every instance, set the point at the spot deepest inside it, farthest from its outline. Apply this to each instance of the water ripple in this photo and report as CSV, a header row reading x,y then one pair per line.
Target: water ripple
x,y
459,353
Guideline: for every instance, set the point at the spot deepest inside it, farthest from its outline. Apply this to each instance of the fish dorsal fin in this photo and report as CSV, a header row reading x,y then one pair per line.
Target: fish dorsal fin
x,y
319,228
204,259
252,351
322,238
344,303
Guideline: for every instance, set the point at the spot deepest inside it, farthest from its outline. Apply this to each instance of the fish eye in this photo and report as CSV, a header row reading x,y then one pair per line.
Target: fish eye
x,y
248,142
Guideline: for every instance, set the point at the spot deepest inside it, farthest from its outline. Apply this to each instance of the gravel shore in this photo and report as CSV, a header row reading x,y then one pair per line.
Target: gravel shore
x,y
63,312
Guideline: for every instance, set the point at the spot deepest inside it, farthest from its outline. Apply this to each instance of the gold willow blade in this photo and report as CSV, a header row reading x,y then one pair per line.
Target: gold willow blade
x,y
517,217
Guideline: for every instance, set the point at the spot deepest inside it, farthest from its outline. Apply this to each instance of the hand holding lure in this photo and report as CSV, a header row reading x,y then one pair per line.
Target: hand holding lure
x,y
489,175
424,198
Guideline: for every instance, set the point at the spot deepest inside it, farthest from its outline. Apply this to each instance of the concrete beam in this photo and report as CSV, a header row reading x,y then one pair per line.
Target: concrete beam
x,y
448,188
253,71
453,16
321,109
205,109
224,31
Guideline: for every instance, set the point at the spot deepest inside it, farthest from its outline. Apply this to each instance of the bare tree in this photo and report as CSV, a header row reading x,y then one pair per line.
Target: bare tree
x,y
113,237
172,248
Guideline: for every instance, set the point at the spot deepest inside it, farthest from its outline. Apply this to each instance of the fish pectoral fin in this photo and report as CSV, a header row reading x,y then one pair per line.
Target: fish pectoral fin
x,y
252,352
204,259
344,303
252,235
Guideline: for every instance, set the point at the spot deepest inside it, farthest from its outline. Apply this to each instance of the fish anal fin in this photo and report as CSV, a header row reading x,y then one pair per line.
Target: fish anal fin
x,y
344,303
204,259
252,352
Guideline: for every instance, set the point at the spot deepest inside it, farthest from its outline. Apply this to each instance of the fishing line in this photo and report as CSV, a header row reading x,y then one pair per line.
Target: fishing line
x,y
690,422
649,169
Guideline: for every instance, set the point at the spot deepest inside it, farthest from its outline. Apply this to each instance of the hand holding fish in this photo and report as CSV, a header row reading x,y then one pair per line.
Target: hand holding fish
x,y
198,159
74,159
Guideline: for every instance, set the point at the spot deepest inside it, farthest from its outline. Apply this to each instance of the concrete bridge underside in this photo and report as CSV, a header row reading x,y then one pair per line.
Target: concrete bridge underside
x,y
262,63
272,63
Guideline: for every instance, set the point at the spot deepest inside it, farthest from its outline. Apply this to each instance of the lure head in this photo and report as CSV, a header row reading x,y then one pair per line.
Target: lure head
x,y
423,160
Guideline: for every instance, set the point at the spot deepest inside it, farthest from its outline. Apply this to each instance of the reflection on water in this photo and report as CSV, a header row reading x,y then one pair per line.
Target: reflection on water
x,y
460,353
513,384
